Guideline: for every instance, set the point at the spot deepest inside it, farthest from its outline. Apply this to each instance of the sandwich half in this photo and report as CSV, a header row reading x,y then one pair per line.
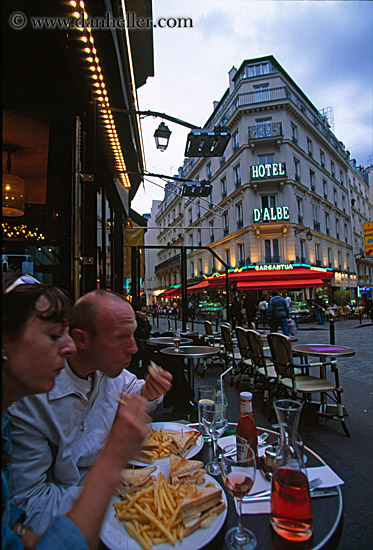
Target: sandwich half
x,y
186,471
200,507
134,480
183,442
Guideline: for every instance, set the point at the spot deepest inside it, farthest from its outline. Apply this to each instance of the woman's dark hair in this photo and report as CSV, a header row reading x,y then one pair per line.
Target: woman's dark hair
x,y
21,303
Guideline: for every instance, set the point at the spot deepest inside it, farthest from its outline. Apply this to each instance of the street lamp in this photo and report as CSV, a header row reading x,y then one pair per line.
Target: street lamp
x,y
162,136
201,142
309,234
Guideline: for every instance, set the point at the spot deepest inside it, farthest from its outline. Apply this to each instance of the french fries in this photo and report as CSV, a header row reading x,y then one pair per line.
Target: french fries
x,y
163,440
152,515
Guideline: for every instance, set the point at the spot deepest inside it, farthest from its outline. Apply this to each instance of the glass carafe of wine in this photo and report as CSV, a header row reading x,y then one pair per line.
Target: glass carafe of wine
x,y
291,512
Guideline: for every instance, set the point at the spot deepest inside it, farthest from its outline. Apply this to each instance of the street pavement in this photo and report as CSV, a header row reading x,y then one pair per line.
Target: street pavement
x,y
350,457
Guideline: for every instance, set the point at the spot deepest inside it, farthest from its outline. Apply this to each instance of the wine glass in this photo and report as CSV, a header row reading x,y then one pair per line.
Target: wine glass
x,y
206,396
214,420
238,470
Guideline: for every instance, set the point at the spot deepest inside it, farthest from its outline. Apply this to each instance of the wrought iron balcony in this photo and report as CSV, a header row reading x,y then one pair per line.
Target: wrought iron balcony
x,y
316,225
168,263
268,130
272,259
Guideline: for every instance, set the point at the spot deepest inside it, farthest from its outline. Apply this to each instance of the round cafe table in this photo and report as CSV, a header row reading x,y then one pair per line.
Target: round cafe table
x,y
191,353
163,341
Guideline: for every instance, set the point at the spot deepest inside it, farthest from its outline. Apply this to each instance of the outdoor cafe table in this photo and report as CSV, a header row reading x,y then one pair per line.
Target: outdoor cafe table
x,y
163,341
327,513
322,351
191,353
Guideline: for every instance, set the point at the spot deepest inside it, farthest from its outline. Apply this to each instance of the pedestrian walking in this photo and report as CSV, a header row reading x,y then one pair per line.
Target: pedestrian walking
x,y
250,307
278,313
320,312
236,313
263,306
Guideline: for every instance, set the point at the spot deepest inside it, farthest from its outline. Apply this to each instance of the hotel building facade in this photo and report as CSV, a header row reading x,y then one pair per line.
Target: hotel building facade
x,y
287,205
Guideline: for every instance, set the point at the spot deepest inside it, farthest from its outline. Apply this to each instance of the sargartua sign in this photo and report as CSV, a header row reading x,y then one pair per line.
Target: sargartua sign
x,y
273,214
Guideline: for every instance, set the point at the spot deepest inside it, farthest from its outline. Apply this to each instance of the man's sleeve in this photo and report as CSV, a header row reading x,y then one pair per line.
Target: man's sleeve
x,y
32,458
132,384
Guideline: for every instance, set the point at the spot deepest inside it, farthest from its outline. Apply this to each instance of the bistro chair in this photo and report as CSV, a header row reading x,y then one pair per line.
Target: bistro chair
x,y
246,364
263,365
214,340
229,355
304,384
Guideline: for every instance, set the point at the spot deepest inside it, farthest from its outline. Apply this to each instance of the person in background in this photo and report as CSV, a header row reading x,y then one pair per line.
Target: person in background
x,y
278,313
263,306
141,359
35,346
319,311
288,301
235,313
250,307
57,436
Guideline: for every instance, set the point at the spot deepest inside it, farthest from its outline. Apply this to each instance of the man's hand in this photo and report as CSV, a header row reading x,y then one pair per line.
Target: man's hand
x,y
158,383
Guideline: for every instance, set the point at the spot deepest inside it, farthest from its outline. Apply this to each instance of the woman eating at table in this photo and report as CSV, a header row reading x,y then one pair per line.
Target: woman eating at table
x,y
35,345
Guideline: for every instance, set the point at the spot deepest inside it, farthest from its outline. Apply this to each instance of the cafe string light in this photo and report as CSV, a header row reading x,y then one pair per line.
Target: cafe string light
x,y
99,88
21,232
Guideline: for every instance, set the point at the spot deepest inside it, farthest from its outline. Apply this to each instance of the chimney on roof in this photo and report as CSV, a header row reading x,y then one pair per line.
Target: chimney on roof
x,y
215,104
231,74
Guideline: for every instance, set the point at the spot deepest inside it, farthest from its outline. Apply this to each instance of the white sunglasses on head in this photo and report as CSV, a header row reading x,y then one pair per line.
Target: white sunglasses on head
x,y
22,280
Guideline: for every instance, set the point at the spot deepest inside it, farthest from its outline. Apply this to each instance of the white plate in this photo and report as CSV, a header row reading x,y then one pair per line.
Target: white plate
x,y
171,427
115,537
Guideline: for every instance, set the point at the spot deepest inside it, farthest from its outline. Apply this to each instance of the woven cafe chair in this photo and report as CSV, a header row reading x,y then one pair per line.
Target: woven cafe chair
x,y
304,384
212,339
263,365
229,355
245,364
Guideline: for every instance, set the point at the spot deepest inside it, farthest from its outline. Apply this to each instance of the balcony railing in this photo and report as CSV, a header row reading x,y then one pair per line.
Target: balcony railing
x,y
261,131
168,263
239,224
316,225
272,259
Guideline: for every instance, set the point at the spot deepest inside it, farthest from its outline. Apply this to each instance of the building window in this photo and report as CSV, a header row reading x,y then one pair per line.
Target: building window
x,y
212,237
346,233
300,210
261,93
191,240
332,168
269,201
239,215
322,158
265,159
309,147
341,178
297,169
327,223
343,203
317,254
209,171
315,217
199,238
263,128
337,228
325,188
302,250
312,180
198,210
272,251
339,260
225,224
241,254
237,176
210,199
227,256
257,70
190,215
294,133
335,197
192,269
200,266
329,257
236,141
223,183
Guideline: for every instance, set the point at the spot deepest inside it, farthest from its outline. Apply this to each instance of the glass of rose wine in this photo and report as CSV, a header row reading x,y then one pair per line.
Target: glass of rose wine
x,y
238,470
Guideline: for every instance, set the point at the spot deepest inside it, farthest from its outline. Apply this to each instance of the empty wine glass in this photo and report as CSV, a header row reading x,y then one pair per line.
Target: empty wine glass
x,y
214,420
238,470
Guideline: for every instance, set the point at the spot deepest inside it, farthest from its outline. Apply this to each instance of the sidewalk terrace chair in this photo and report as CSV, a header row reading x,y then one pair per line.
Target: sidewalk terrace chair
x,y
246,364
263,365
229,355
212,339
282,357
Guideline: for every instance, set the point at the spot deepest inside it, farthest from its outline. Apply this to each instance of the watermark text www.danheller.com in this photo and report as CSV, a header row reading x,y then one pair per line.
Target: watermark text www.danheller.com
x,y
18,21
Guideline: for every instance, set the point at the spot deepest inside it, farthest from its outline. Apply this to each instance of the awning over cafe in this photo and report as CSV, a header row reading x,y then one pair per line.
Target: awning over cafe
x,y
279,283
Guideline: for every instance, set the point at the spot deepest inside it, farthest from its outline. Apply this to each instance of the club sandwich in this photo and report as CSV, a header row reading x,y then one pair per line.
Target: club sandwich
x,y
183,442
186,471
200,507
134,480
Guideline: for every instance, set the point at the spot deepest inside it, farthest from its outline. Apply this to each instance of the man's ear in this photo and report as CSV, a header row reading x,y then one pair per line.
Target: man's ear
x,y
81,338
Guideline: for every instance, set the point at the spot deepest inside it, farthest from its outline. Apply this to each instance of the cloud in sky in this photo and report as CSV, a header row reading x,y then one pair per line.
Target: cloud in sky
x,y
325,46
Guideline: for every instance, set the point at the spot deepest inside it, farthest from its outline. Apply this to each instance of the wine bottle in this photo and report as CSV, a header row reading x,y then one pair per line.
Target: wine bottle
x,y
246,429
